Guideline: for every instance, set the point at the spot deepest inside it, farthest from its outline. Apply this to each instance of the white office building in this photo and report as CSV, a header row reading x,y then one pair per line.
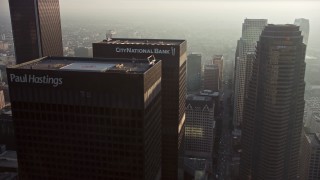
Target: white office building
x,y
251,30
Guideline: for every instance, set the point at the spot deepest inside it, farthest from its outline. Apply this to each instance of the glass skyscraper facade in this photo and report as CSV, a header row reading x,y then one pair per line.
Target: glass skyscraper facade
x,y
36,29
273,110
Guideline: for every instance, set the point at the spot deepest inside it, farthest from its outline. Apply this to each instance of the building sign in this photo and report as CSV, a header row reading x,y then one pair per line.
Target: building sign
x,y
171,51
33,79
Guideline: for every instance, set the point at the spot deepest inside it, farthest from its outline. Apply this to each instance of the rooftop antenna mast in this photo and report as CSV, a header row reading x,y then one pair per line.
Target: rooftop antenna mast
x,y
151,60
109,34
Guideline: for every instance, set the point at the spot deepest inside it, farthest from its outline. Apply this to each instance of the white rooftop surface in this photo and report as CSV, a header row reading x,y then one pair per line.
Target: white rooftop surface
x,y
89,66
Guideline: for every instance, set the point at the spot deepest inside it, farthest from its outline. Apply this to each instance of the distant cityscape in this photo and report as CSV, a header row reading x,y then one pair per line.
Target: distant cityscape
x,y
125,101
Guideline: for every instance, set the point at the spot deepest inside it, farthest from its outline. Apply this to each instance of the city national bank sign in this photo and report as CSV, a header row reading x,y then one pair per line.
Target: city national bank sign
x,y
171,51
33,79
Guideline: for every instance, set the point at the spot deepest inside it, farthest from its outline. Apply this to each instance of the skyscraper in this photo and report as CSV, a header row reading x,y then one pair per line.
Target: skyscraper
x,y
273,110
304,28
251,30
6,128
36,29
211,76
199,136
249,62
194,72
200,125
173,56
87,118
310,157
218,60
3,37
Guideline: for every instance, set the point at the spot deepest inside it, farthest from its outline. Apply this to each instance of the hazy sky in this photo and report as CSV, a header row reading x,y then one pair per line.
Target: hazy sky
x,y
194,10
274,10
94,6
226,13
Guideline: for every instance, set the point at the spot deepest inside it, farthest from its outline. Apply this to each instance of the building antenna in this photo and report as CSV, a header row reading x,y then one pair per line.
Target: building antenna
x,y
109,34
151,60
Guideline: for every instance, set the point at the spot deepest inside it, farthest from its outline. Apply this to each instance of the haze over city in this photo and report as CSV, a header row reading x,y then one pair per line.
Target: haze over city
x,y
185,19
160,89
210,27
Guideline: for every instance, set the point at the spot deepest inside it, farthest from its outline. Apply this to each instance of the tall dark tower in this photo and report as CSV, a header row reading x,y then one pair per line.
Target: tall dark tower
x,y
36,29
87,118
211,77
194,72
173,56
274,107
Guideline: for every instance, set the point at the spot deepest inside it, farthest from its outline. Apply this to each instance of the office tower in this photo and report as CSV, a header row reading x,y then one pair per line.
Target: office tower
x,y
235,70
6,128
211,77
3,37
200,124
311,117
194,72
310,157
36,29
4,46
273,110
87,118
304,28
2,100
173,56
251,30
218,60
313,121
216,99
249,62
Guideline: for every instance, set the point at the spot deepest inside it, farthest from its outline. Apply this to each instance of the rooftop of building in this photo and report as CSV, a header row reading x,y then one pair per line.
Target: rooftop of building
x,y
89,64
282,25
218,57
301,19
200,101
195,97
255,19
209,93
194,54
211,66
281,28
284,31
164,42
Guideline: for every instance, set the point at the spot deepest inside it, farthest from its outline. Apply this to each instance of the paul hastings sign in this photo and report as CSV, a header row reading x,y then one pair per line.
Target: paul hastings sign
x,y
35,79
